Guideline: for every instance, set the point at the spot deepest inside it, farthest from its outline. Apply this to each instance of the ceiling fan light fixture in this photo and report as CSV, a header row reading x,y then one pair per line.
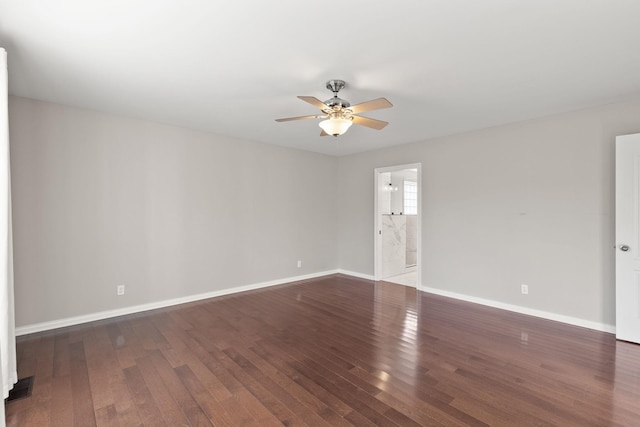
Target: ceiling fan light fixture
x,y
335,126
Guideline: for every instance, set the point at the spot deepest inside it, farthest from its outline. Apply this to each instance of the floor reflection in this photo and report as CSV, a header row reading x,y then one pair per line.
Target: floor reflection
x,y
407,279
396,317
626,382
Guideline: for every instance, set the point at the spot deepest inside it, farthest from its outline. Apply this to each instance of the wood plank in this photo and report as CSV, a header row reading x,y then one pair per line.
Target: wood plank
x,y
83,412
188,405
332,351
142,398
171,412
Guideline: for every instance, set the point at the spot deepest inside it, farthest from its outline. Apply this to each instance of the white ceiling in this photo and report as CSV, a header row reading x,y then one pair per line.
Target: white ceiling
x,y
232,67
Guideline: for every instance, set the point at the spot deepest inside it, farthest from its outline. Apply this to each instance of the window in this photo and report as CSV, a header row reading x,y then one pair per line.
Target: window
x,y
410,198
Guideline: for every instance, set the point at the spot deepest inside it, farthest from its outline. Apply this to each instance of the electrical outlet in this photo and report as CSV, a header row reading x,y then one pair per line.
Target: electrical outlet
x,y
299,263
120,290
524,289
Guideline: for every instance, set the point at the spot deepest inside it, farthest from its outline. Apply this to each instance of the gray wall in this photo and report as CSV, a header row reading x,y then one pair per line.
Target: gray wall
x,y
100,200
528,203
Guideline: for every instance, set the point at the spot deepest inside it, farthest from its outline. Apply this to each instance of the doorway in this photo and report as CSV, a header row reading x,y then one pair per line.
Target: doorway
x,y
397,233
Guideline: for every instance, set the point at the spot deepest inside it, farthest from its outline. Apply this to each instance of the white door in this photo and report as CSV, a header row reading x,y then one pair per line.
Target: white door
x,y
628,238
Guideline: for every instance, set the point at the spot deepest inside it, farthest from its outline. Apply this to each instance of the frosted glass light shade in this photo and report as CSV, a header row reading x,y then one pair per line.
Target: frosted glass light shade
x,y
335,127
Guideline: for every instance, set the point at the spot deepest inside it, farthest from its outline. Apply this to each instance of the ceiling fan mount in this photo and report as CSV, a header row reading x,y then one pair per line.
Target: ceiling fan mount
x,y
339,114
336,85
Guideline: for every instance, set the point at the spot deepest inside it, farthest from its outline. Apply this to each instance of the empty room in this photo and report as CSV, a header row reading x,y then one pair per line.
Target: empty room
x,y
414,213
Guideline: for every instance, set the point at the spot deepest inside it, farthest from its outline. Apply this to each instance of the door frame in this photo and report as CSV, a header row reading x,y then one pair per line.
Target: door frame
x,y
377,220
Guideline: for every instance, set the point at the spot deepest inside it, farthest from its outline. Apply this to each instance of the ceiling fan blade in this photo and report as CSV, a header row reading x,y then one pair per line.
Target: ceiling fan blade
x,y
370,123
288,119
374,104
323,133
314,101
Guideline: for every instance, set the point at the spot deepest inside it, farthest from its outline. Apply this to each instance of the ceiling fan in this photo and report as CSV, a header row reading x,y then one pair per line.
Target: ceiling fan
x,y
339,114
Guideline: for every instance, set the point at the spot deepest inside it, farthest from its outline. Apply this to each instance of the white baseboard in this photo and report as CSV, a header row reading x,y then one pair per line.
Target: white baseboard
x,y
76,320
71,321
354,274
603,327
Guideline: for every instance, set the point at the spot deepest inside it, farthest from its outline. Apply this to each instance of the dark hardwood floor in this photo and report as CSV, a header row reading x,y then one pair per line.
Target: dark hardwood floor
x,y
328,352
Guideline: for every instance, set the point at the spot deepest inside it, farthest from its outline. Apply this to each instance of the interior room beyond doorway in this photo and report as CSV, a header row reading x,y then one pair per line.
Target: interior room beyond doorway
x,y
398,226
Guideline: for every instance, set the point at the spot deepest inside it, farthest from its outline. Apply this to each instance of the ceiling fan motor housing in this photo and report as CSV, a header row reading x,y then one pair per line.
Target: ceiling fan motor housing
x,y
337,102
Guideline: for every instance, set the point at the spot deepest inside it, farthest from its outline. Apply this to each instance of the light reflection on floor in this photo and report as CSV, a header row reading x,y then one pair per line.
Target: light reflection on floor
x,y
407,279
397,314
